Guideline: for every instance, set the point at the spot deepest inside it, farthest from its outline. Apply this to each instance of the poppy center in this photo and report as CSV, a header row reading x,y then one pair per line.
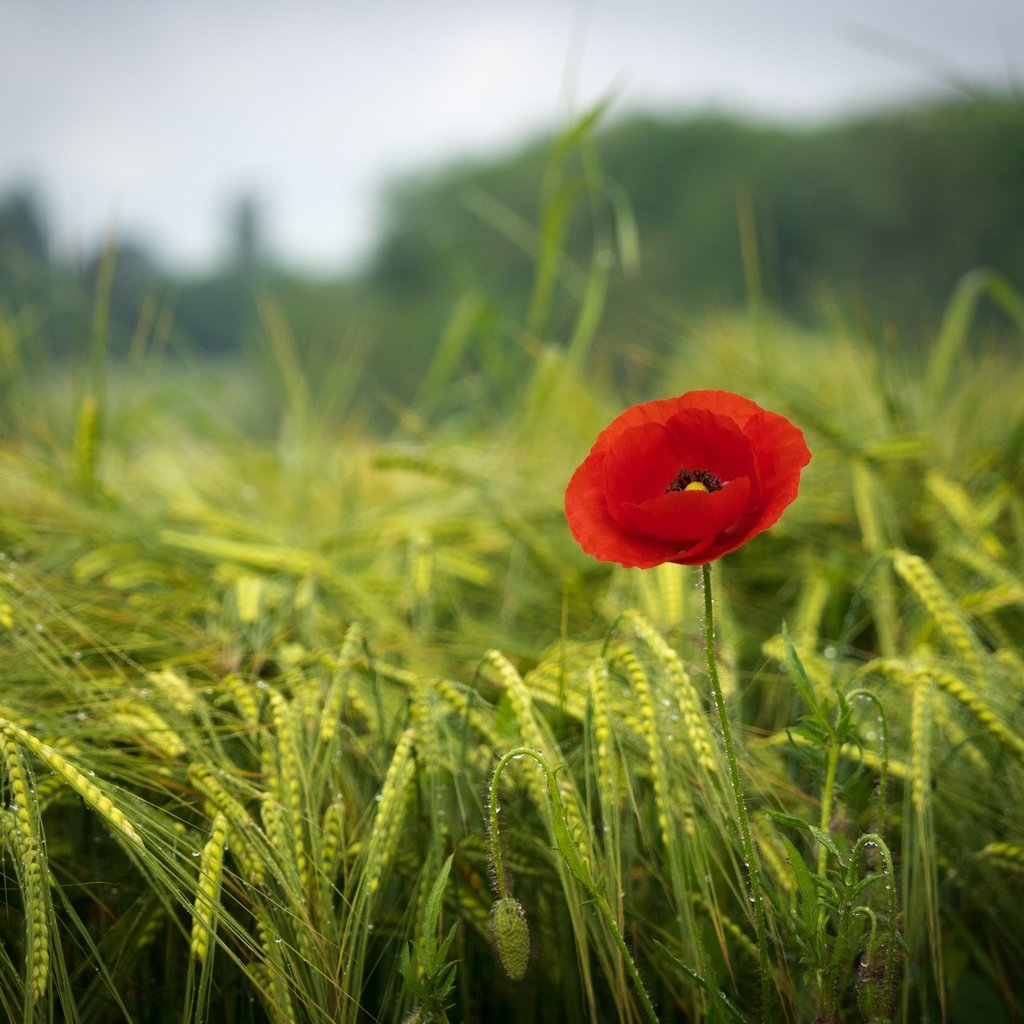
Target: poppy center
x,y
694,480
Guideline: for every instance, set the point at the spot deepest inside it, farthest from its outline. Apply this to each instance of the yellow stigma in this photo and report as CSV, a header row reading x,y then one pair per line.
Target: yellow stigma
x,y
696,486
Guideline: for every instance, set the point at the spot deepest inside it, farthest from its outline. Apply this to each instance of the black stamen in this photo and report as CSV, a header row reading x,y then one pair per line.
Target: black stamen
x,y
685,477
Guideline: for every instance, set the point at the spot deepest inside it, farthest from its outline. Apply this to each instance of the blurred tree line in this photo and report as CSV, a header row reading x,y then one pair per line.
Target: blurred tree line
x,y
875,217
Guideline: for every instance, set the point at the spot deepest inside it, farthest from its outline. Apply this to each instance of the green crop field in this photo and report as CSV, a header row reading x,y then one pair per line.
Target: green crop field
x,y
256,687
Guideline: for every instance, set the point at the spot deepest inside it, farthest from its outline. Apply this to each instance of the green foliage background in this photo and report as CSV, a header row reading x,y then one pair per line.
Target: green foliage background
x,y
872,219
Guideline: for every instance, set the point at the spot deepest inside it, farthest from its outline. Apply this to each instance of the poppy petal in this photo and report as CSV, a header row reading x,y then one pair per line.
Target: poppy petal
x,y
619,504
685,517
646,458
595,530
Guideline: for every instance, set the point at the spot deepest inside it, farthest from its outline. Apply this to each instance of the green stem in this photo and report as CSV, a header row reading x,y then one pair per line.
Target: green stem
x,y
827,993
889,977
753,872
883,770
493,830
828,788
609,919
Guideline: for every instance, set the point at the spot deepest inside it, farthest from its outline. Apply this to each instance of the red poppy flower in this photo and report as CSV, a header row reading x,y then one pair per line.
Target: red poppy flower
x,y
684,480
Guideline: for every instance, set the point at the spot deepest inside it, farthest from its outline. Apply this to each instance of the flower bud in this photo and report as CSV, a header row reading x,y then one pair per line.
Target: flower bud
x,y
511,936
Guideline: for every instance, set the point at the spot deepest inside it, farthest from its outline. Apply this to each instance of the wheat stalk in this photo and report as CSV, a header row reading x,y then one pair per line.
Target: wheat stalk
x,y
289,782
387,822
638,680
207,901
31,865
918,575
87,790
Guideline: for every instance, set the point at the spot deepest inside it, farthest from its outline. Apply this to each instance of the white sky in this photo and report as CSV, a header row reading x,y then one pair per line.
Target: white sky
x,y
153,116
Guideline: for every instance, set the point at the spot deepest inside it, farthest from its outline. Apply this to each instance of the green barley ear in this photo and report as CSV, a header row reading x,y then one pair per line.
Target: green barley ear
x,y
920,578
511,936
87,442
22,833
207,903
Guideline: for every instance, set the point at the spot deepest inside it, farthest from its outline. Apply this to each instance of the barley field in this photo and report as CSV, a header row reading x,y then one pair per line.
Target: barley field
x,y
318,723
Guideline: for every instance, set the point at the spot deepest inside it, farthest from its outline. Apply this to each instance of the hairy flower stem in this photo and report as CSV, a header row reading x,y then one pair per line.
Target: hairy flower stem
x,y
892,910
493,831
627,958
749,856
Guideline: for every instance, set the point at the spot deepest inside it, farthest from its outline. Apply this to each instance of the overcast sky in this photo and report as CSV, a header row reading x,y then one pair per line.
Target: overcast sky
x,y
153,116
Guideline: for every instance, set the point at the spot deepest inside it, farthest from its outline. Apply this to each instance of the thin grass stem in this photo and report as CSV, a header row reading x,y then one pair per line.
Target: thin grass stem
x,y
827,792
